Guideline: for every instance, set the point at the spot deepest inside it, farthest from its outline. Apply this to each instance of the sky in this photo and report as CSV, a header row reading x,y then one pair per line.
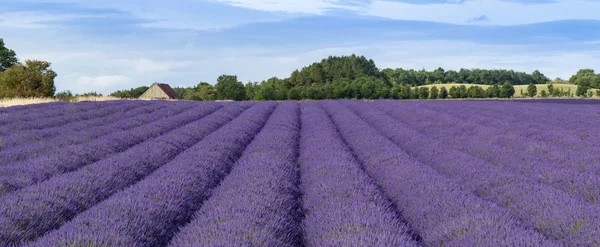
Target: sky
x,y
106,45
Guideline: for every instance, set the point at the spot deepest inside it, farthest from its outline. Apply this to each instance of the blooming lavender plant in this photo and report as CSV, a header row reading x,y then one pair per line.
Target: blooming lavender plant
x,y
257,203
435,206
478,141
21,146
47,135
342,205
30,212
61,117
557,214
150,212
24,173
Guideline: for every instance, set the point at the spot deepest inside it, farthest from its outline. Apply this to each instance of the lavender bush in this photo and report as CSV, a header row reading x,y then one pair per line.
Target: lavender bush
x,y
342,205
329,173
149,212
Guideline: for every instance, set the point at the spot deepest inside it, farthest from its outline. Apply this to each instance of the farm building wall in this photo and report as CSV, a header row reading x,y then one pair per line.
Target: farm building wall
x,y
154,92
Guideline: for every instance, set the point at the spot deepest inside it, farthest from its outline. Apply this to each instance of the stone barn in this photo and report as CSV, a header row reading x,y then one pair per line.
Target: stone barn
x,y
160,91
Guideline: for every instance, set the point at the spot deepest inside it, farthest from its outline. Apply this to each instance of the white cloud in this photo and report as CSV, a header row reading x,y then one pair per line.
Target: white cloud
x,y
101,82
317,7
32,20
498,12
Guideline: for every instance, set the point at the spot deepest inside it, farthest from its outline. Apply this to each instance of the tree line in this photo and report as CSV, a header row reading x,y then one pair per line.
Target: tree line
x,y
356,77
344,77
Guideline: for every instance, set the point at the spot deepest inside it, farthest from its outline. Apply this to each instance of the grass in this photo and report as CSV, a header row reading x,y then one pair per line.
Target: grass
x,y
518,88
29,101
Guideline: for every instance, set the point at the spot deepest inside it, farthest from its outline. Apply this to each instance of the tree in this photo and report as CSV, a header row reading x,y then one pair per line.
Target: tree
x,y
493,91
264,92
229,88
597,93
133,93
531,90
8,57
423,93
582,88
454,92
32,79
443,93
295,93
201,92
64,95
434,93
462,91
476,92
582,73
539,78
544,93
551,89
507,90
90,94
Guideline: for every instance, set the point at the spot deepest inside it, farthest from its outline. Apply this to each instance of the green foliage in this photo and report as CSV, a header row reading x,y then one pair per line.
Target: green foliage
x,y
582,73
443,93
181,91
88,94
335,68
531,90
423,93
132,93
597,93
250,90
493,91
475,76
64,96
539,78
550,89
201,92
582,87
453,92
476,92
507,90
229,88
8,57
32,79
295,93
434,93
544,93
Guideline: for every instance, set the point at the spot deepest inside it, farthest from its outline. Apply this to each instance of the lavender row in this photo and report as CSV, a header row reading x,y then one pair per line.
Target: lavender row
x,y
568,121
24,109
38,111
24,173
550,128
555,213
342,204
150,212
33,211
122,122
61,116
435,206
257,203
14,113
519,139
478,141
14,140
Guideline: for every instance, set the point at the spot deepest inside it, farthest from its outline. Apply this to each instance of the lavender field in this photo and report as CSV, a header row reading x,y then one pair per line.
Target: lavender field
x,y
327,173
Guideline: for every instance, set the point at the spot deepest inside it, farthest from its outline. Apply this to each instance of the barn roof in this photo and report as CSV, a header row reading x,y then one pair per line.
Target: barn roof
x,y
168,90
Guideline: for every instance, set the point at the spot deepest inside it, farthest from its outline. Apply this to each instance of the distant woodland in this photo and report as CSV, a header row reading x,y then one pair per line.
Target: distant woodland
x,y
345,77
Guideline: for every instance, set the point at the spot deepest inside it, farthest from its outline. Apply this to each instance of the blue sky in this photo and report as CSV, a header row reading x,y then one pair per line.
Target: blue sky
x,y
104,45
